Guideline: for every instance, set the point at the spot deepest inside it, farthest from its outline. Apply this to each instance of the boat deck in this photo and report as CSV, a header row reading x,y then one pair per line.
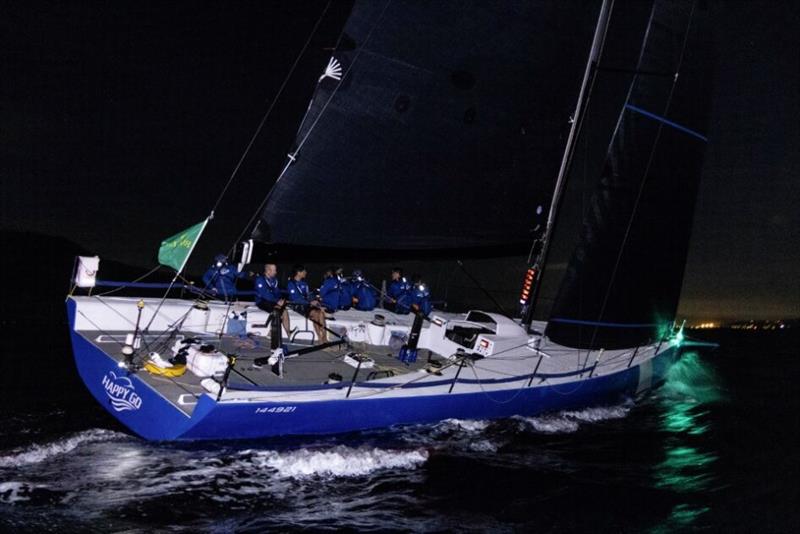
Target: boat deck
x,y
313,368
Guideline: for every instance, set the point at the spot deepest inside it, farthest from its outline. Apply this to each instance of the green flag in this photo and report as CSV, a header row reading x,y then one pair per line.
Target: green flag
x,y
175,250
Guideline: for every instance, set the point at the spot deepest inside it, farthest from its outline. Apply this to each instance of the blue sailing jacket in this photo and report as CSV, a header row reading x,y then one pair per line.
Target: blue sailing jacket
x,y
299,293
346,294
367,297
400,291
421,297
267,290
330,292
222,280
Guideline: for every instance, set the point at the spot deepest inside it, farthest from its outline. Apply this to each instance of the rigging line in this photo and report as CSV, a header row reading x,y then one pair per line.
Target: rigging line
x,y
111,336
489,396
649,162
251,142
148,273
485,291
447,285
156,313
103,332
271,106
283,395
293,155
172,333
104,303
349,69
401,385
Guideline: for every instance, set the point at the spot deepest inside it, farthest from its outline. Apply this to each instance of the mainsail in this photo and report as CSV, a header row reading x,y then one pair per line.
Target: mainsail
x,y
440,125
624,278
435,125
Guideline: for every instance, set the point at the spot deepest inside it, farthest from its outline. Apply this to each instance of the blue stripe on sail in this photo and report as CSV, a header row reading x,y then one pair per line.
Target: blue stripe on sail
x,y
597,323
666,121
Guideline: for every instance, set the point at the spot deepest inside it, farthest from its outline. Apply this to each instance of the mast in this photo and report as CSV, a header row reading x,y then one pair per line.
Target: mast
x,y
532,283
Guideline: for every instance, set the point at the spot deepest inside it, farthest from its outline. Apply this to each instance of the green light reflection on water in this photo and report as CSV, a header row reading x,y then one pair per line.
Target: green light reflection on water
x,y
691,380
684,470
682,517
683,417
687,468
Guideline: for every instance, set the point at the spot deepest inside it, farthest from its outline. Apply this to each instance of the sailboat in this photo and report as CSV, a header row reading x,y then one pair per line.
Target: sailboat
x,y
479,114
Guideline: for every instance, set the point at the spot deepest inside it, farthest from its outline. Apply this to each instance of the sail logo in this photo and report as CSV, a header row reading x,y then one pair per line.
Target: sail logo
x,y
333,70
121,392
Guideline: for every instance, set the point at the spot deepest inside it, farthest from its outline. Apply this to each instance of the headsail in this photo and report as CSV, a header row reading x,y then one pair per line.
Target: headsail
x,y
623,281
434,125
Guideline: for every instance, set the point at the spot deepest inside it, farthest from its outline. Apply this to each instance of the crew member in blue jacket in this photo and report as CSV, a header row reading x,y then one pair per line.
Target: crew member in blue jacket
x,y
347,290
365,297
302,301
398,293
220,278
420,297
269,296
330,292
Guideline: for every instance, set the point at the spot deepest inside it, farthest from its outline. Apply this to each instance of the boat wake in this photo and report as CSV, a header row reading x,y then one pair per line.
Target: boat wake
x,y
30,493
39,453
11,492
339,461
570,421
483,436
101,471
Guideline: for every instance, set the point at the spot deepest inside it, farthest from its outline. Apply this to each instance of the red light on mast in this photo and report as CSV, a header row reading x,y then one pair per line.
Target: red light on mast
x,y
530,276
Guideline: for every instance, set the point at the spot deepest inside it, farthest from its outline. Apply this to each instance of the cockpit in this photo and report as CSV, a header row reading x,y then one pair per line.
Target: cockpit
x,y
465,331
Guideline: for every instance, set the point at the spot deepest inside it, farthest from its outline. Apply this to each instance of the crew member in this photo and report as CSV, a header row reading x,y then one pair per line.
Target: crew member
x,y
346,290
268,294
330,292
420,299
398,293
301,300
364,295
220,278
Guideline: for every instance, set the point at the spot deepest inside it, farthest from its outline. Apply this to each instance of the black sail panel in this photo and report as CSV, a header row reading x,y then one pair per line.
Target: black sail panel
x,y
436,125
624,278
610,86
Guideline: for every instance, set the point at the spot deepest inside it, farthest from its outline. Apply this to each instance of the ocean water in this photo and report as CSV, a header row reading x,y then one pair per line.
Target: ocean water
x,y
715,449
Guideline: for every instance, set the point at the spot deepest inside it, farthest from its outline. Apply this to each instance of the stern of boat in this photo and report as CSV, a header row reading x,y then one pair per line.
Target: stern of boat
x,y
123,394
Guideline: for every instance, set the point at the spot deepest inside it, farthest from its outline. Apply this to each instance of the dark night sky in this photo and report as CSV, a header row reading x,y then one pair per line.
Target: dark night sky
x,y
120,122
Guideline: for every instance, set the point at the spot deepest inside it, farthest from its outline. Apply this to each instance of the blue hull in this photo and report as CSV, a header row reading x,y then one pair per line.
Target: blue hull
x,y
148,414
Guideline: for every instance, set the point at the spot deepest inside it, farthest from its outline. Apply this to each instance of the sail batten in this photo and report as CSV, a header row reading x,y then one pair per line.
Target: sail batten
x,y
667,122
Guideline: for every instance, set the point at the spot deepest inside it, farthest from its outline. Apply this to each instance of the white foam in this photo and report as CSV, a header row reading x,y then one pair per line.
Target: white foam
x,y
11,492
602,413
551,424
38,453
482,445
468,425
569,421
339,461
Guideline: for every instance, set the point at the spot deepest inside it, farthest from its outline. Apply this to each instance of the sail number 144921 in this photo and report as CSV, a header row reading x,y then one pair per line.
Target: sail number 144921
x,y
276,409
